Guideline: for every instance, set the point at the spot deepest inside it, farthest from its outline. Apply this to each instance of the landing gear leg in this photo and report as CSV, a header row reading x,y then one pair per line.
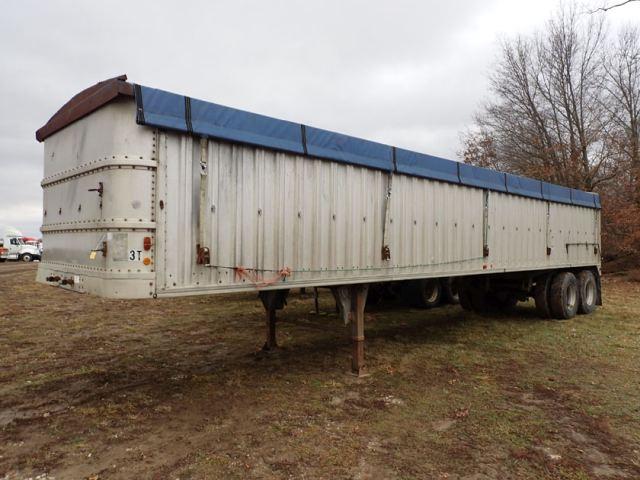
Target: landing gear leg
x,y
351,301
272,300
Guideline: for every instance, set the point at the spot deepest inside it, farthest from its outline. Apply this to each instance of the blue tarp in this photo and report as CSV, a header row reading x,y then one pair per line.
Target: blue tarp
x,y
527,187
162,109
482,177
343,148
556,193
583,199
596,200
212,120
427,166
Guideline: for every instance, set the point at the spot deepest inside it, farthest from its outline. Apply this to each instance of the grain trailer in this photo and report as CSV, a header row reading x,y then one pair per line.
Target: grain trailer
x,y
152,194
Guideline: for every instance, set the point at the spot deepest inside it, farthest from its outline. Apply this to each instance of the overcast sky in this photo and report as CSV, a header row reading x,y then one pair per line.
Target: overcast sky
x,y
407,73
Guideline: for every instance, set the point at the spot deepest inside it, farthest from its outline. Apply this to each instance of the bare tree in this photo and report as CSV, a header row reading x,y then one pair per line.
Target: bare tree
x,y
566,108
622,104
546,119
606,8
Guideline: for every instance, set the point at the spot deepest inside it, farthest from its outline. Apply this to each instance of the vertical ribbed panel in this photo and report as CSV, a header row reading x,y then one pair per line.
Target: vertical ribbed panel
x,y
324,220
517,232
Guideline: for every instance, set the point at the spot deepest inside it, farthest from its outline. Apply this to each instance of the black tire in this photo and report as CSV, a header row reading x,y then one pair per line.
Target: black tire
x,y
450,291
2,260
429,294
503,302
564,295
588,289
479,301
464,294
541,296
26,257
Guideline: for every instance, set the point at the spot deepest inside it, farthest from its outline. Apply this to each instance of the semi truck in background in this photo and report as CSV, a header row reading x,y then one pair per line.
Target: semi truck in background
x,y
14,247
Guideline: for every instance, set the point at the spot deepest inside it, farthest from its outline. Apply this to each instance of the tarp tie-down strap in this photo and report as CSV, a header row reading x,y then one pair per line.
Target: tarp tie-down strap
x,y
187,114
137,93
385,252
303,134
259,282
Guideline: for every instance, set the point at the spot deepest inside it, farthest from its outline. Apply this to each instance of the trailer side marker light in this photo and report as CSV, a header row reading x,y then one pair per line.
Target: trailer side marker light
x,y
146,261
147,243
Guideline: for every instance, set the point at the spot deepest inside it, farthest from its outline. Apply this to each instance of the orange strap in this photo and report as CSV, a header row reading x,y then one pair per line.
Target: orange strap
x,y
252,275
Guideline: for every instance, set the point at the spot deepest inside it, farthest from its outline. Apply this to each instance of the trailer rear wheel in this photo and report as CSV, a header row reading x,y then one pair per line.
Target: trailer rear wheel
x,y
501,302
464,294
473,299
588,290
564,295
479,301
429,293
450,291
541,296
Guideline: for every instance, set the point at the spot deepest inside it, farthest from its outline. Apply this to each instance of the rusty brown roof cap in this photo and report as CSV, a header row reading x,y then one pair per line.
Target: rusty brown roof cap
x,y
85,102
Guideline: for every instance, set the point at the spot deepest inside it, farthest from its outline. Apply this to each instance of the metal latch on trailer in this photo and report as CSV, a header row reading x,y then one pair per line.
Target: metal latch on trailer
x,y
596,246
102,243
100,191
202,253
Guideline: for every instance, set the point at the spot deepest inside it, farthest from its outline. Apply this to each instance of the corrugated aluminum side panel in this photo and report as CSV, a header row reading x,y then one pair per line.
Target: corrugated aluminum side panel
x,y
574,231
268,210
517,232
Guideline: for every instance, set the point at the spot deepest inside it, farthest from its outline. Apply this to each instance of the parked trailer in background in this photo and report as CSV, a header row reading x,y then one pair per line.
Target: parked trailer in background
x,y
150,194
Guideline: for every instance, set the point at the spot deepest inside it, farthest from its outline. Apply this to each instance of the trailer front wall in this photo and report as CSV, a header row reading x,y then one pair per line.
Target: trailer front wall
x,y
105,149
266,212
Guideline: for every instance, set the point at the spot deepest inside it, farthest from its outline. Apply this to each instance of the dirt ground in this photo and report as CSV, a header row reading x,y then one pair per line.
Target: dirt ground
x,y
176,389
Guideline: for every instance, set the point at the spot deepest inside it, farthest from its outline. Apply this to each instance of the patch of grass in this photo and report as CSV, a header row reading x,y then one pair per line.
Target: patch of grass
x,y
177,388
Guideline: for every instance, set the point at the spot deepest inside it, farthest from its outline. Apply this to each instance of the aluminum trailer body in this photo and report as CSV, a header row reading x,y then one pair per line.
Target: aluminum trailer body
x,y
148,193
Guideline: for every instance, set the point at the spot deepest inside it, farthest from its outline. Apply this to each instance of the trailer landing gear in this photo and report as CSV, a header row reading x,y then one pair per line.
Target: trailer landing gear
x,y
351,301
272,300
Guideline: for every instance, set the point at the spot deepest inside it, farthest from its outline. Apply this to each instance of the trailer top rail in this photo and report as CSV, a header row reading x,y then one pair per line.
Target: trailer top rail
x,y
161,109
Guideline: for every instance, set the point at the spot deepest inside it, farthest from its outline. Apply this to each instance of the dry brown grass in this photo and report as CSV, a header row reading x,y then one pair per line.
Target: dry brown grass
x,y
175,388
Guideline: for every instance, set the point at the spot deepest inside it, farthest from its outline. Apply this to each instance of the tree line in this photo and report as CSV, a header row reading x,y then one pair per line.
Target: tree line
x,y
565,108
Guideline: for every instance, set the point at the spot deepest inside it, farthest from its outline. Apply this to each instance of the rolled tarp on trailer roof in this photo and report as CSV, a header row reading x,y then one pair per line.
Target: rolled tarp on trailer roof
x,y
557,193
162,109
482,177
527,187
426,166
